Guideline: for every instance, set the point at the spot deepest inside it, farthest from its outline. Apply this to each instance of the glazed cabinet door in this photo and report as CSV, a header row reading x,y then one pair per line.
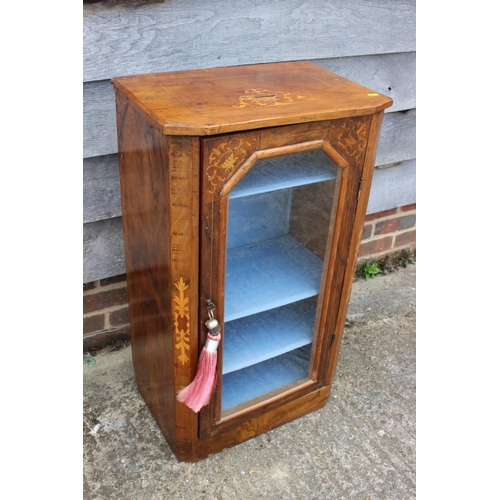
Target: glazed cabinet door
x,y
277,214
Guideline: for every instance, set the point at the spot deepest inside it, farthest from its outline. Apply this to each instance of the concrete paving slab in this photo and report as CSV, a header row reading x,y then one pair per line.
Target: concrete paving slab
x,y
361,445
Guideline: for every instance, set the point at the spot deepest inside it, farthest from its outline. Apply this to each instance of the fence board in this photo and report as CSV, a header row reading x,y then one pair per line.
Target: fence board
x,y
101,188
103,250
128,38
397,138
390,74
393,186
99,119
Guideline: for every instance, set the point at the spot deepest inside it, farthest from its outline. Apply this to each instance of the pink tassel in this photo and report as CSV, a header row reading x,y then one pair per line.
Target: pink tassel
x,y
198,393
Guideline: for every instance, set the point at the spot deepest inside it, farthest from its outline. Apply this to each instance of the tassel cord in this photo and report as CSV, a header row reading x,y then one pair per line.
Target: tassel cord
x,y
198,393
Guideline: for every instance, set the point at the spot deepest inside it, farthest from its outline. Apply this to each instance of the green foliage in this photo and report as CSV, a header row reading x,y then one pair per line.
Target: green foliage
x,y
386,265
405,258
370,269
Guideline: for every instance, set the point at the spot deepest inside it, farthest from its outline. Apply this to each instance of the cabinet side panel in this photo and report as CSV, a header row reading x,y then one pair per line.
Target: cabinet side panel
x,y
366,164
184,183
146,227
346,144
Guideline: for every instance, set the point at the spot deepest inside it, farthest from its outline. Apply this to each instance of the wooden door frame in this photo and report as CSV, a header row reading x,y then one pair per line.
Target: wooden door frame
x,y
225,160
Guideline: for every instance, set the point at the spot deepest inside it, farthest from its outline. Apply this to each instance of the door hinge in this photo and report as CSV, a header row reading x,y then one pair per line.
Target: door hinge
x,y
359,187
332,340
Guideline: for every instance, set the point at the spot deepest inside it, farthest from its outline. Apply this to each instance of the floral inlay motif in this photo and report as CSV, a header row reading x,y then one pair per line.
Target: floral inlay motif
x,y
224,159
352,137
264,97
181,321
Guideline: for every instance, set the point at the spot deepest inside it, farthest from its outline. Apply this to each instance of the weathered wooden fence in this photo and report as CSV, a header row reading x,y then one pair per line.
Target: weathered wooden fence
x,y
372,43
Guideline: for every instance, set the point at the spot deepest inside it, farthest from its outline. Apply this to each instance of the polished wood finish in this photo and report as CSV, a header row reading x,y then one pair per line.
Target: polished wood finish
x,y
181,131
208,102
160,185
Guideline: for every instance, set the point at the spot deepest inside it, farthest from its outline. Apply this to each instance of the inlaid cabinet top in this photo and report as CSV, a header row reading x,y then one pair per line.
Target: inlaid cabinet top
x,y
220,100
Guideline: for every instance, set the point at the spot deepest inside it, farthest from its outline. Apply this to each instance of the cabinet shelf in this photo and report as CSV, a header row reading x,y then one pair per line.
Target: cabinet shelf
x,y
269,274
253,339
244,385
285,172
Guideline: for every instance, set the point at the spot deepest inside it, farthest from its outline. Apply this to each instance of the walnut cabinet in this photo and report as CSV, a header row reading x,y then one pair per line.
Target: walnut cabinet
x,y
246,186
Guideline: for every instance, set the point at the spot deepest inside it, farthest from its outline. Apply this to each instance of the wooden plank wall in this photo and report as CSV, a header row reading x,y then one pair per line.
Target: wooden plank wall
x,y
372,43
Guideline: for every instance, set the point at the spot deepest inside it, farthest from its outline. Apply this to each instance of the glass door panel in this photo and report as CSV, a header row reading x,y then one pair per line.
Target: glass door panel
x,y
279,220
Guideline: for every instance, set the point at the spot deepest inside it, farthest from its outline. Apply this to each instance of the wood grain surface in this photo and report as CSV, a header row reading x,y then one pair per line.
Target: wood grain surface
x,y
390,74
214,101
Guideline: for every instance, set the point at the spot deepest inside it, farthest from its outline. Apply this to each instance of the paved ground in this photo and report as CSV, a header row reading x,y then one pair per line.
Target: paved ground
x,y
361,445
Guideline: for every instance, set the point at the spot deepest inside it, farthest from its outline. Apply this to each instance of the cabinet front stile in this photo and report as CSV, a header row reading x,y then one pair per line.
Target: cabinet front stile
x,y
220,158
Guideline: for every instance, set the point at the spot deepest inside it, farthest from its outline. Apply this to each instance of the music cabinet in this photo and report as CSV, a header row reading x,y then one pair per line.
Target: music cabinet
x,y
246,187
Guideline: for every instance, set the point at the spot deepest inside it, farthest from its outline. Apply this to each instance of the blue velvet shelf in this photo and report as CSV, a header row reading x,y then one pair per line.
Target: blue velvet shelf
x,y
269,274
285,172
255,381
253,339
